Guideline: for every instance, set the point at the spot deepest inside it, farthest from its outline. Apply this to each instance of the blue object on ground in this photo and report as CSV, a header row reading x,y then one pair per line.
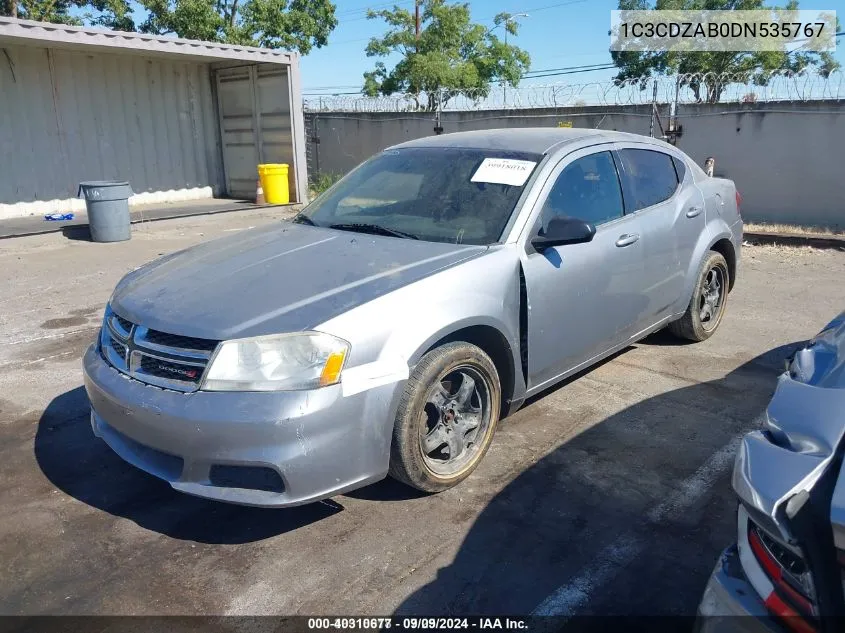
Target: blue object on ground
x,y
58,217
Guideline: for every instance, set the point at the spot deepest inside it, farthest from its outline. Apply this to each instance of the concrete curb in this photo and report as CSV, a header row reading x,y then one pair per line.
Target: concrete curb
x,y
795,239
144,216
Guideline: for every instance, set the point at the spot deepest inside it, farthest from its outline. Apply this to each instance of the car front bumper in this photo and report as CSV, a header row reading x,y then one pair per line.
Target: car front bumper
x,y
730,604
312,444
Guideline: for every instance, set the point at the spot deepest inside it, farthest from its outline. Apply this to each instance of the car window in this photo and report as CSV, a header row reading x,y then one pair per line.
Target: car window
x,y
438,194
383,188
680,168
587,189
650,177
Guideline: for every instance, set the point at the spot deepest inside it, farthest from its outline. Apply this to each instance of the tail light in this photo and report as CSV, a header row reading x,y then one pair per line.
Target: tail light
x,y
791,598
738,204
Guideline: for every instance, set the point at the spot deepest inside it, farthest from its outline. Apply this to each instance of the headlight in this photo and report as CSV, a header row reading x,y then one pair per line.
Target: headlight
x,y
283,362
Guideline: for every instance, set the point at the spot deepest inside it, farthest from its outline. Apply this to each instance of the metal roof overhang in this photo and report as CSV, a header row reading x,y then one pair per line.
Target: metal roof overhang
x,y
47,35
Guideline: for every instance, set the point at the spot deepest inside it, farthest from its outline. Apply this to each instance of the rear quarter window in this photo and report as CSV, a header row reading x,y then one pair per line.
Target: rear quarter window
x,y
680,168
650,178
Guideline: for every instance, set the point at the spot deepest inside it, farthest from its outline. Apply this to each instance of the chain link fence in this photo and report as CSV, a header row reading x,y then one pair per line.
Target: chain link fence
x,y
679,89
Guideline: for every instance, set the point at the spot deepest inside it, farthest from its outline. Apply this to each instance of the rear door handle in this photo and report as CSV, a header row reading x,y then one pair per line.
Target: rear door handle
x,y
694,211
627,239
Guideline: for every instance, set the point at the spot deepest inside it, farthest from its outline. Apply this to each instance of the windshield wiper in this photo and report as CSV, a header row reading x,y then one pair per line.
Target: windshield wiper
x,y
303,219
375,229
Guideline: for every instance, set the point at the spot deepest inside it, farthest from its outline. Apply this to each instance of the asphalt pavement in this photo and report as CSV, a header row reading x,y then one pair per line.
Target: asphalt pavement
x,y
607,494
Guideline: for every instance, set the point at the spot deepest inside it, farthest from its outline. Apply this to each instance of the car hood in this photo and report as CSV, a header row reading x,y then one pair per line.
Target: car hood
x,y
280,278
802,434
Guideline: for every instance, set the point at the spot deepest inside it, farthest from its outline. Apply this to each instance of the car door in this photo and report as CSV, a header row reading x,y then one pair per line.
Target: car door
x,y
582,298
672,218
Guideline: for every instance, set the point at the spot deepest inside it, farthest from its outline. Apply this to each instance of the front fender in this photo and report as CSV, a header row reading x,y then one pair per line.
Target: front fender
x,y
390,334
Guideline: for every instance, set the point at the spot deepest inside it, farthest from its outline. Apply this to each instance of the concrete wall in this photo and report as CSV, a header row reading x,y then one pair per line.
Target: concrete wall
x,y
347,138
785,158
69,116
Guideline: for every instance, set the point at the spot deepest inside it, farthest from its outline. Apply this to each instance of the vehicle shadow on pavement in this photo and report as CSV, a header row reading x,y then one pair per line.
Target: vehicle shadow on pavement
x,y
626,518
84,467
386,490
664,338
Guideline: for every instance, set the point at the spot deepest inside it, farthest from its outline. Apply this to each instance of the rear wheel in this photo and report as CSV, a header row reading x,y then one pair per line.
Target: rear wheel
x,y
707,306
446,418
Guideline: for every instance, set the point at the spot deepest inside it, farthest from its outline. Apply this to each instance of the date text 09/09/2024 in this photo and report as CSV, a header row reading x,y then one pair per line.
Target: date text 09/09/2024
x,y
412,624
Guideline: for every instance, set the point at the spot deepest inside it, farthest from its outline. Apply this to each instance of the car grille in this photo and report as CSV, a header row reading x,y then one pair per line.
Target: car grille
x,y
123,323
183,342
118,347
166,360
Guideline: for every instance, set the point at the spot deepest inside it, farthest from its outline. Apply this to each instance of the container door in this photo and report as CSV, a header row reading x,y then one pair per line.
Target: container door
x,y
255,124
236,103
275,140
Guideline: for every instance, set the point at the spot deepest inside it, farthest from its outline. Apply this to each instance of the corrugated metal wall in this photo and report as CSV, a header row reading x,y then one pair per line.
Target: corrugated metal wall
x,y
67,116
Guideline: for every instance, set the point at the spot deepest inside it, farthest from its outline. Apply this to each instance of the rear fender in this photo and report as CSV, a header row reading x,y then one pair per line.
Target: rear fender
x,y
714,231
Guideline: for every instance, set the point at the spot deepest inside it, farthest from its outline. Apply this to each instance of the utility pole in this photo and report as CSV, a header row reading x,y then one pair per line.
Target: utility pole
x,y
653,109
674,131
508,19
438,117
505,83
417,35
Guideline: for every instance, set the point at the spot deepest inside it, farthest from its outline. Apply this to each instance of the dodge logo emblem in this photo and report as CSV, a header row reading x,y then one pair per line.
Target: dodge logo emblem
x,y
170,369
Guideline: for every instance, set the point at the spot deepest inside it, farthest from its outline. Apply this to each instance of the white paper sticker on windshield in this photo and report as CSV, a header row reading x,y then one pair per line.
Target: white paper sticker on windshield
x,y
503,171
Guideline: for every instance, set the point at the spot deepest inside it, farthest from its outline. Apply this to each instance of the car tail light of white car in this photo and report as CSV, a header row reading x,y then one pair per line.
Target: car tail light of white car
x,y
780,575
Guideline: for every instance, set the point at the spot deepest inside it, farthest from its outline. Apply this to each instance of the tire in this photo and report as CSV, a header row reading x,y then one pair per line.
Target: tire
x,y
421,422
693,326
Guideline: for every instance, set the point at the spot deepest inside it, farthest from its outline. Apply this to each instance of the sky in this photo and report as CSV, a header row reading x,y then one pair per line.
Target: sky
x,y
556,33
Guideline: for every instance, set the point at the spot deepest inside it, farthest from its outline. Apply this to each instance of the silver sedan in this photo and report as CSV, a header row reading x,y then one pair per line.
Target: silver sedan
x,y
402,314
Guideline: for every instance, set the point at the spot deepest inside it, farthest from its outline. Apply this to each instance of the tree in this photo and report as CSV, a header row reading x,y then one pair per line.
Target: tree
x,y
292,24
452,55
707,73
114,14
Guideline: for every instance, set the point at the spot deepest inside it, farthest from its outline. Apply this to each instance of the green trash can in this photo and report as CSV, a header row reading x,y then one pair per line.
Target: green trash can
x,y
107,203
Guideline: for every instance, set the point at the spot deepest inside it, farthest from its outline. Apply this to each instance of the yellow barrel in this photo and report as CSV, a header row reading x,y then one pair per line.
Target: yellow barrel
x,y
274,182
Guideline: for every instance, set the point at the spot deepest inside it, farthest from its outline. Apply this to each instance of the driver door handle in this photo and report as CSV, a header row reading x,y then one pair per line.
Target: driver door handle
x,y
694,211
627,239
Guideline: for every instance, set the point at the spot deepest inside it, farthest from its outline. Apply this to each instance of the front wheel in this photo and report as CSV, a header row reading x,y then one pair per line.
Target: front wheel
x,y
707,306
446,418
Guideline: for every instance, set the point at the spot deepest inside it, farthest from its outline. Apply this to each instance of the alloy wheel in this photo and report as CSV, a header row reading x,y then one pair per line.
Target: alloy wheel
x,y
456,419
712,297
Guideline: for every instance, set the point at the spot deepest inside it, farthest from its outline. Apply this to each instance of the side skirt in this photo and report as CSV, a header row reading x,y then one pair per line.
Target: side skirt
x,y
595,359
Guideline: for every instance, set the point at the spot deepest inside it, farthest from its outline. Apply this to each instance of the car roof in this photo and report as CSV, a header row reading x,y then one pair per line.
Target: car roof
x,y
536,140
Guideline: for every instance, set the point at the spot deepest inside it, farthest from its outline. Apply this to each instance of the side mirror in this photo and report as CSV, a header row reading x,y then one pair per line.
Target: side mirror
x,y
564,231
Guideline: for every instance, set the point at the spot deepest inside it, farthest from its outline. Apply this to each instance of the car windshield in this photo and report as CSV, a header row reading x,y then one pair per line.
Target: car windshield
x,y
457,195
